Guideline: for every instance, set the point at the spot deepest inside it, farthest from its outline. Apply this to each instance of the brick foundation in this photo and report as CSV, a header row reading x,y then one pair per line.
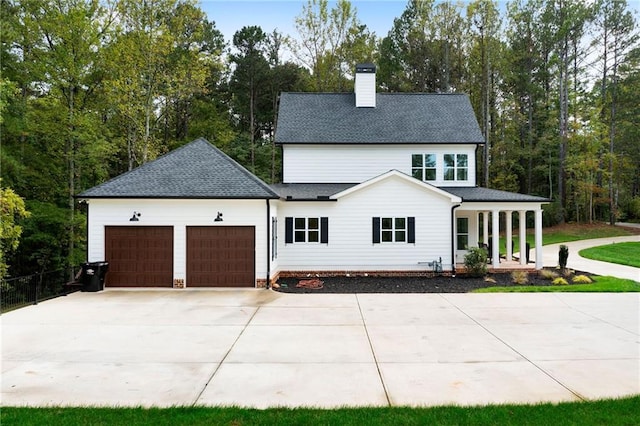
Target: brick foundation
x,y
388,273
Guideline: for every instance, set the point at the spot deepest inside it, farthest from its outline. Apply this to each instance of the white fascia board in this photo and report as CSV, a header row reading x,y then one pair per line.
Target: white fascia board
x,y
407,178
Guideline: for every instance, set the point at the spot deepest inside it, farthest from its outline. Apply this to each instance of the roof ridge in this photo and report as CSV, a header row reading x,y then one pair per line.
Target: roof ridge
x,y
240,167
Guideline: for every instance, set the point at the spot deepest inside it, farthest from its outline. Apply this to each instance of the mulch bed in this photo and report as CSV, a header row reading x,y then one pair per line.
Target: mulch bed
x,y
371,284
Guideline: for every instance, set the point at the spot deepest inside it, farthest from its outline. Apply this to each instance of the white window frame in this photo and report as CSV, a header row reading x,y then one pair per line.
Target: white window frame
x,y
303,232
393,230
456,169
422,168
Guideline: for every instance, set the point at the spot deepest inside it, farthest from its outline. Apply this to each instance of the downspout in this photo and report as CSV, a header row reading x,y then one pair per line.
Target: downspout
x,y
453,236
268,245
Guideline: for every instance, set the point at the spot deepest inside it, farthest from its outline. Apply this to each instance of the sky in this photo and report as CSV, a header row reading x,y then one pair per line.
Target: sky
x,y
232,15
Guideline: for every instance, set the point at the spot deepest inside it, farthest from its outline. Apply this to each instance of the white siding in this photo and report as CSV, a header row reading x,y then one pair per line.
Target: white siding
x,y
355,164
350,244
179,214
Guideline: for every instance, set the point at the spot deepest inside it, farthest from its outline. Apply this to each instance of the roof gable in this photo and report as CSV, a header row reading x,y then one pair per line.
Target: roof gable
x,y
195,170
313,118
396,174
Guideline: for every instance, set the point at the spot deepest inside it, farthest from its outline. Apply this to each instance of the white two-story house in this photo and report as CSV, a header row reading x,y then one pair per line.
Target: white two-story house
x,y
375,183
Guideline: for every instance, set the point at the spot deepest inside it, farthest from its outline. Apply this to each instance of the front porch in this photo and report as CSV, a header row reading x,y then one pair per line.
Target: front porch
x,y
480,226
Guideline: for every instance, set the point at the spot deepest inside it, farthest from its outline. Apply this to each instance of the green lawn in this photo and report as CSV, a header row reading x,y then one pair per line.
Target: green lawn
x,y
600,284
569,232
620,253
613,412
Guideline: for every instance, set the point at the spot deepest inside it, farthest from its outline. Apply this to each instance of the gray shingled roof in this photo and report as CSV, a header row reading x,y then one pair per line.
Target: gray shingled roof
x,y
320,191
195,170
309,191
477,194
397,118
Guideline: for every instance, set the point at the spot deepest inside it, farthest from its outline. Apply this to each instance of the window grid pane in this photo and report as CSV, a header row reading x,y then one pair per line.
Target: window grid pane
x,y
306,230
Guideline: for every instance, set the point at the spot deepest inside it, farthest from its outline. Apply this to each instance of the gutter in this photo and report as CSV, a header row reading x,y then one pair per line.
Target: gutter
x,y
453,235
268,245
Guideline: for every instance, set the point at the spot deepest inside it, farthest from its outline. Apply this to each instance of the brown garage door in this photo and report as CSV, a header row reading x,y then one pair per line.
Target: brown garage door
x,y
220,256
139,256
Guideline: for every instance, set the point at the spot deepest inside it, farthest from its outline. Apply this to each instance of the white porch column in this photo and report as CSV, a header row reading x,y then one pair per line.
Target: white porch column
x,y
509,241
485,227
523,236
538,232
495,238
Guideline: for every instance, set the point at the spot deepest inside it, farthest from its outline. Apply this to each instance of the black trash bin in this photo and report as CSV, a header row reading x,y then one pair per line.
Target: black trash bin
x,y
93,275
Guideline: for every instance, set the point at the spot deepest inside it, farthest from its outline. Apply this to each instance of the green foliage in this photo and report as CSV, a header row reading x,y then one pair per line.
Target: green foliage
x,y
45,240
475,262
12,210
581,279
548,274
613,412
600,285
520,277
560,281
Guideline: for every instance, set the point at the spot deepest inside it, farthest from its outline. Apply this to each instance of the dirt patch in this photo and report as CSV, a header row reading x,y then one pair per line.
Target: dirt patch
x,y
435,284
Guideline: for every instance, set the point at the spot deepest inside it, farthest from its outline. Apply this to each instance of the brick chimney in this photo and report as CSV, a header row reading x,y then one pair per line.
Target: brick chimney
x,y
365,86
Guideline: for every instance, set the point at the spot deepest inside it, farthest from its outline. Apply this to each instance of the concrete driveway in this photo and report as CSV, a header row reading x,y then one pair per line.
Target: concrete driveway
x,y
260,348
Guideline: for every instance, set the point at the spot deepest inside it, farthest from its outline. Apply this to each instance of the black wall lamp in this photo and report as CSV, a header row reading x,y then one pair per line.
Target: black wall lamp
x,y
218,218
135,217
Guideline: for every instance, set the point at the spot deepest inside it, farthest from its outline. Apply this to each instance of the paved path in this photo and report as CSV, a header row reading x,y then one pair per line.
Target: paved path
x,y
577,262
261,348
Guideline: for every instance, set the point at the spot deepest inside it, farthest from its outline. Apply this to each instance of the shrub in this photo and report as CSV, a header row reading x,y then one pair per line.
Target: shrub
x,y
520,277
475,261
581,279
563,255
548,274
560,281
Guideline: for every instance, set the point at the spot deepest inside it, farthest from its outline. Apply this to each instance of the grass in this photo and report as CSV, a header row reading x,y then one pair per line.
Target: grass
x,y
600,284
623,411
620,253
572,232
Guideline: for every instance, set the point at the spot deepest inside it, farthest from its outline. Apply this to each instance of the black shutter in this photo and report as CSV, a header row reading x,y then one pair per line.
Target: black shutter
x,y
411,230
324,230
376,230
288,230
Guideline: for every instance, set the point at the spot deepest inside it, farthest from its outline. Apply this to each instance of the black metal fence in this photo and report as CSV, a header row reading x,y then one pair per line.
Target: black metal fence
x,y
31,289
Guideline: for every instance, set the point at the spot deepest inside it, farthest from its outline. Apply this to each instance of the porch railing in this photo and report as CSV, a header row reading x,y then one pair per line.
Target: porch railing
x,y
30,289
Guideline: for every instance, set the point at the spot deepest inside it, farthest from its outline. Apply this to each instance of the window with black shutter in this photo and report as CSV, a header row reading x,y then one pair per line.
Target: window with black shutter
x,y
394,230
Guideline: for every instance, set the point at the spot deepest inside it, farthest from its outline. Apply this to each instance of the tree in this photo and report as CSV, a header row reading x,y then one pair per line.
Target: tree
x,y
331,42
67,49
249,79
12,209
485,20
617,36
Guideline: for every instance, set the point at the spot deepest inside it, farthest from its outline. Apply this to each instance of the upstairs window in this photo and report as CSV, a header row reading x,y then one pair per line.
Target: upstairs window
x,y
456,167
423,166
394,230
306,230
